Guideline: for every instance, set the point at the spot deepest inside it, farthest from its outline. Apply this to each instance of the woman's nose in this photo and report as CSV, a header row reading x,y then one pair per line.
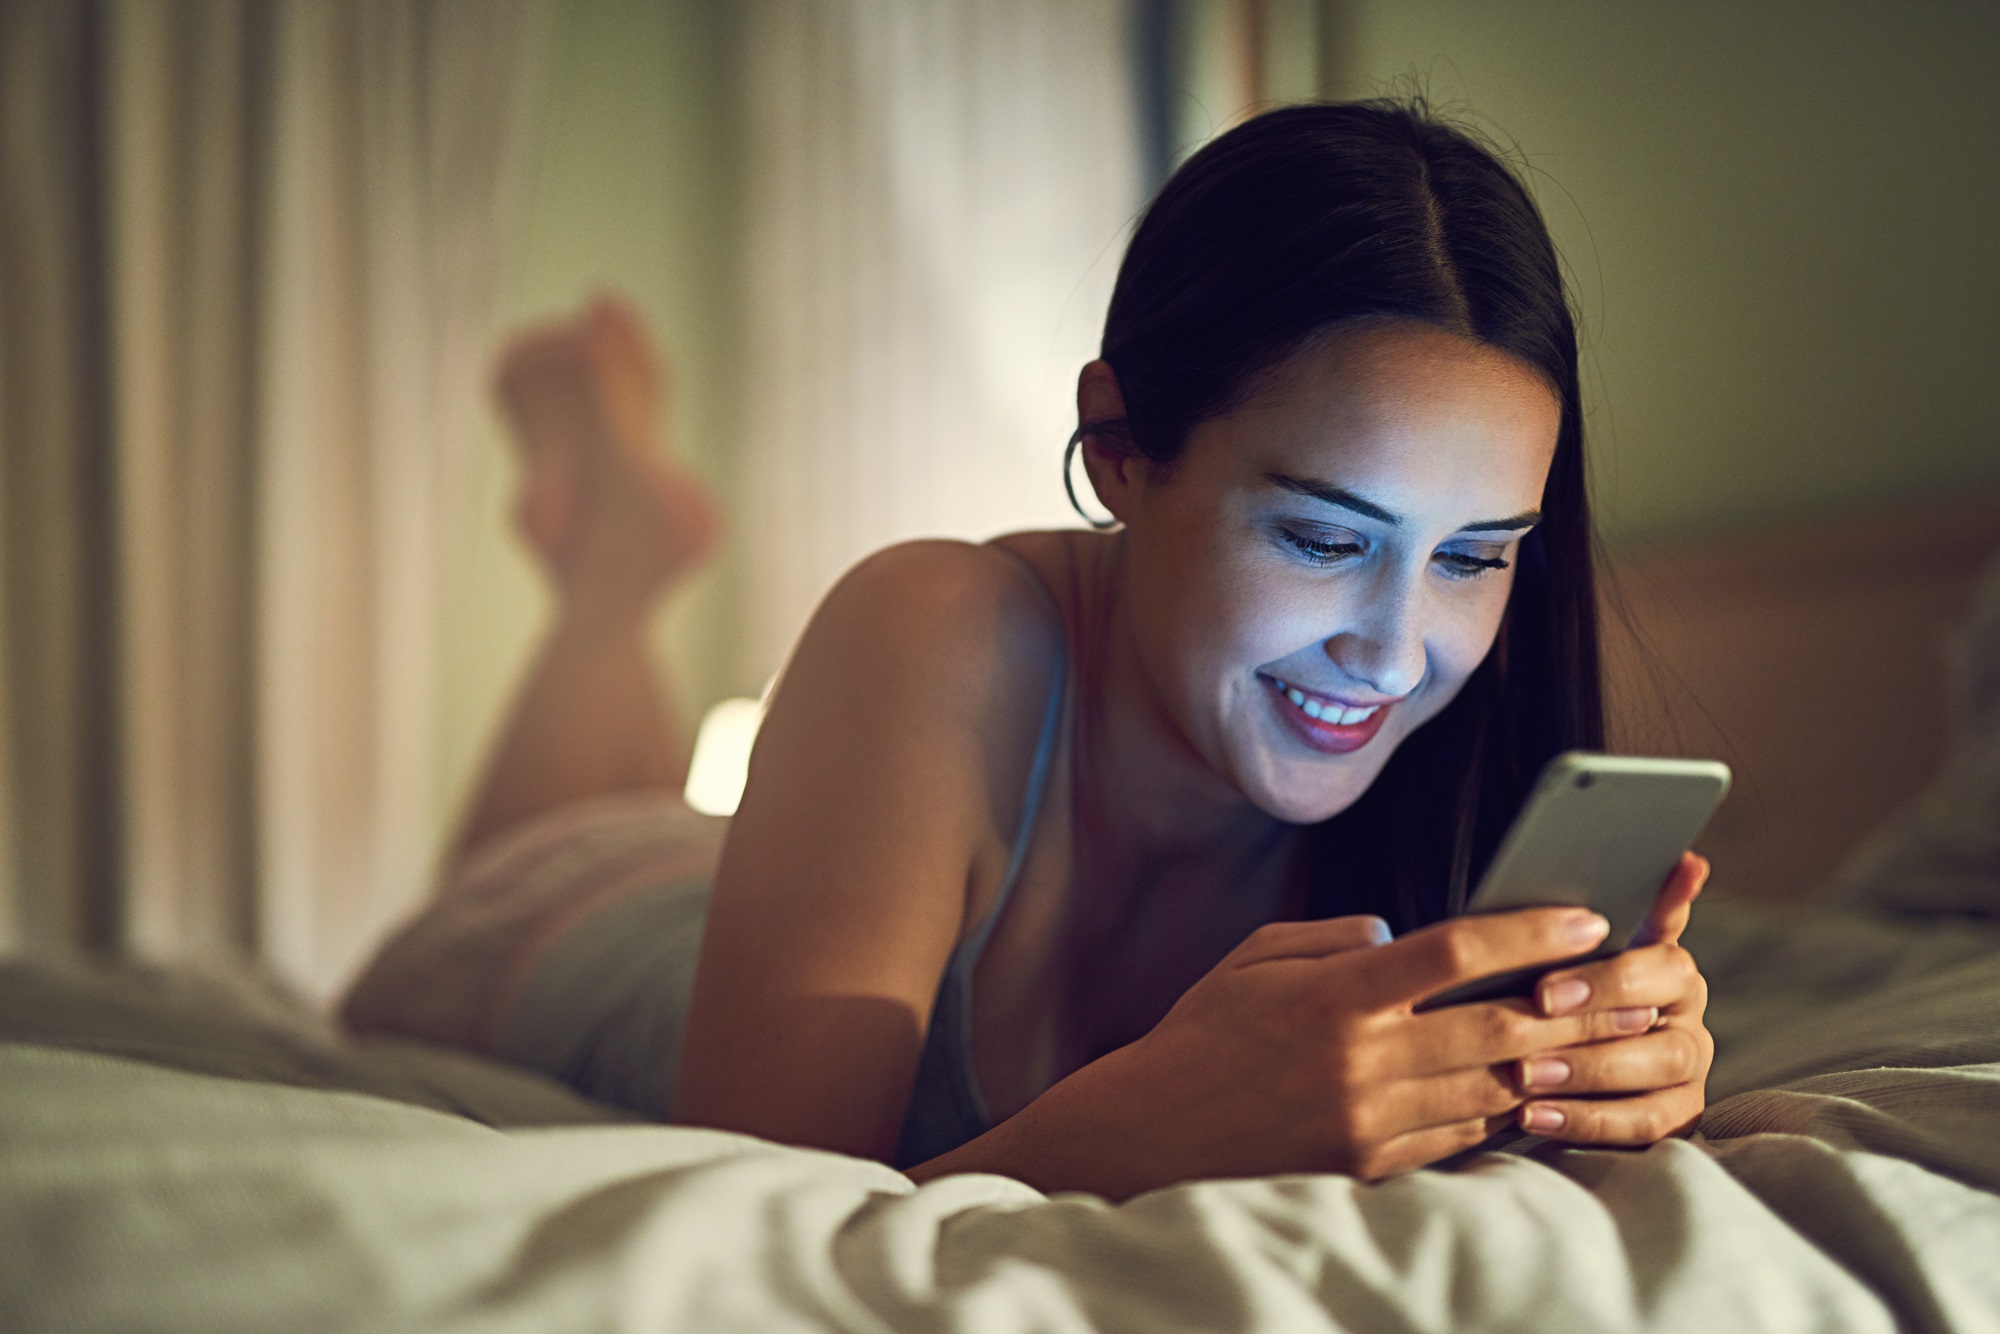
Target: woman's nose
x,y
1384,650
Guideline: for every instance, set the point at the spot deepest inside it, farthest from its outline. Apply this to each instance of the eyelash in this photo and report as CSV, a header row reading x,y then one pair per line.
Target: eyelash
x,y
1462,566
1455,564
1319,553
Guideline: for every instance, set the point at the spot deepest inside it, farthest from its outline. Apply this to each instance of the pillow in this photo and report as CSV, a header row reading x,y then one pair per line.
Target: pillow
x,y
1942,854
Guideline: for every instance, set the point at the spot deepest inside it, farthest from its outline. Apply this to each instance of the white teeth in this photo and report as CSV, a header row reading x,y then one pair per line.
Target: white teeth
x,y
1334,714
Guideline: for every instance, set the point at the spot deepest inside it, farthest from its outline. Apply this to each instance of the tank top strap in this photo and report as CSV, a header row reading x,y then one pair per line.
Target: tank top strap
x,y
946,1105
1038,778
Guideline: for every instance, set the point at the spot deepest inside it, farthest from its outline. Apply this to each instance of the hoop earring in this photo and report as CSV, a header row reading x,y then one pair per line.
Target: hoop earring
x,y
1069,486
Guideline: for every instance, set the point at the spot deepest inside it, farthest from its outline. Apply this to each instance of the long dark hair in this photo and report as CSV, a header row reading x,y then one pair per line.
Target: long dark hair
x,y
1315,217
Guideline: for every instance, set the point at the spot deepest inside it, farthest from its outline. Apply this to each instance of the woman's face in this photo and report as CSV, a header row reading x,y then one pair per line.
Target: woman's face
x,y
1321,570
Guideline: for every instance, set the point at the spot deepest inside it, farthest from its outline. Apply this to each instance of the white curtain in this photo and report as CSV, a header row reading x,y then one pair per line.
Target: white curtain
x,y
394,136
938,197
266,236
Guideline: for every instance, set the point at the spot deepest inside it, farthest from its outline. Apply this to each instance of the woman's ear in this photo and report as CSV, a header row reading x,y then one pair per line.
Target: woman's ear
x,y
1116,470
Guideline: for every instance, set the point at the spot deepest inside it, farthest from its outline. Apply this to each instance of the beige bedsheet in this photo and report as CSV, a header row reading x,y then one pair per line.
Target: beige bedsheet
x,y
453,1196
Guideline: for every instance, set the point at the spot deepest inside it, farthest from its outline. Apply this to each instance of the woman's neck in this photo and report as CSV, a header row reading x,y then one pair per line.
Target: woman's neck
x,y
1151,814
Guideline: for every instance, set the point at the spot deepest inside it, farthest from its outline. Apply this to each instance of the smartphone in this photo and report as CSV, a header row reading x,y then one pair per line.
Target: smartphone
x,y
1600,832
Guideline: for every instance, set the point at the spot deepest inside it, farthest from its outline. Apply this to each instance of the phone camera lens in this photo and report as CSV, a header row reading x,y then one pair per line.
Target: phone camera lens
x,y
1585,780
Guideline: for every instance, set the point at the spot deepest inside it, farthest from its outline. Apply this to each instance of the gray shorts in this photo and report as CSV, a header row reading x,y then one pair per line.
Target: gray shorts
x,y
604,1009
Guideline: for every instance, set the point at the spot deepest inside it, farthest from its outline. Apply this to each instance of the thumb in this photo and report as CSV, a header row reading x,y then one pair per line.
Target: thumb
x,y
1312,940
1671,909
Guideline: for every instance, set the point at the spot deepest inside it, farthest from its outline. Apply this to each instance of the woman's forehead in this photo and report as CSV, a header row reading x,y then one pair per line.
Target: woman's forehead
x,y
1410,412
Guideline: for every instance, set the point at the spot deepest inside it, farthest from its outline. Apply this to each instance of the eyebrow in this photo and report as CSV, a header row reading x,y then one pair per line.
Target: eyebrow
x,y
1347,500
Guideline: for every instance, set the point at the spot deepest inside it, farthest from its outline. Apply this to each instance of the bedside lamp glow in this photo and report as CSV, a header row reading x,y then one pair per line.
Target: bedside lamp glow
x,y
721,762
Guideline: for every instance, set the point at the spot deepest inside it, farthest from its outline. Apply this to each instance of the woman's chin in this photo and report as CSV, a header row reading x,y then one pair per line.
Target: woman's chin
x,y
1308,791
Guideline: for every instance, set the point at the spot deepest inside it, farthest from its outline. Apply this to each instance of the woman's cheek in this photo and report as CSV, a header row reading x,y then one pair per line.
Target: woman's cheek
x,y
1465,633
1257,619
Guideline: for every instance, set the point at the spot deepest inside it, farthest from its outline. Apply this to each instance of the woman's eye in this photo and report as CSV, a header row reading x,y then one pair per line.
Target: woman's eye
x,y
1320,550
1460,565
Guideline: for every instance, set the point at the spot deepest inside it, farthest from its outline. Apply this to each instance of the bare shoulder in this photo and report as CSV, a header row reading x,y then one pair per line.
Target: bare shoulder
x,y
940,575
914,696
971,612
883,790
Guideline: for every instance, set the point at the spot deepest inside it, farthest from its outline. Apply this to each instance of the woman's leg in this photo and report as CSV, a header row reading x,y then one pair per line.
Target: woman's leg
x,y
617,524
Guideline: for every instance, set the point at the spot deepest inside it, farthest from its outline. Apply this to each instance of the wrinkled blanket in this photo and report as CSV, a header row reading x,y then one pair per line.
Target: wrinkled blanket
x,y
262,1177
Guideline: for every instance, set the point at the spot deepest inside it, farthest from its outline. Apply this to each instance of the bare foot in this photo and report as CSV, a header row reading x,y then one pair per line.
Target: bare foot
x,y
614,517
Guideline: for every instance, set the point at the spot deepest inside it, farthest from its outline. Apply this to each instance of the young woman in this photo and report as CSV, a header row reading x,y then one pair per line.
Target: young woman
x,y
1107,859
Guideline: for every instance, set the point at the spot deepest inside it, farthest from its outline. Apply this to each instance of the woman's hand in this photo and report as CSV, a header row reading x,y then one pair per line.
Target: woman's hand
x,y
1301,1051
1662,1072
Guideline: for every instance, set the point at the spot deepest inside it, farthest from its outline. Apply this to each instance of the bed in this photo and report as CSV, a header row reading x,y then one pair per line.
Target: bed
x,y
181,1152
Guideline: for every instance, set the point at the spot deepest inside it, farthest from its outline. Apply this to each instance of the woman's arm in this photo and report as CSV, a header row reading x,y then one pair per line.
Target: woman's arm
x,y
883,793
1302,1051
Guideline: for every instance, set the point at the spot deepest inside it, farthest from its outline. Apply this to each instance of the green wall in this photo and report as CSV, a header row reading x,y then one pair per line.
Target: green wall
x,y
1782,221
629,184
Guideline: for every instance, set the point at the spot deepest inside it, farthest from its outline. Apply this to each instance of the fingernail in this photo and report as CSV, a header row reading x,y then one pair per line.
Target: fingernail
x,y
1564,996
1537,1117
1380,929
1586,929
1544,1072
1635,1020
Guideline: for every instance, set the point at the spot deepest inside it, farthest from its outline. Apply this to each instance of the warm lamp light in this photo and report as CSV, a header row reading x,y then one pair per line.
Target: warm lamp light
x,y
721,760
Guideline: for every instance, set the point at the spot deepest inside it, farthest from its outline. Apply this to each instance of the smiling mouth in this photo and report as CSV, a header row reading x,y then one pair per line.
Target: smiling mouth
x,y
1326,724
1322,709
